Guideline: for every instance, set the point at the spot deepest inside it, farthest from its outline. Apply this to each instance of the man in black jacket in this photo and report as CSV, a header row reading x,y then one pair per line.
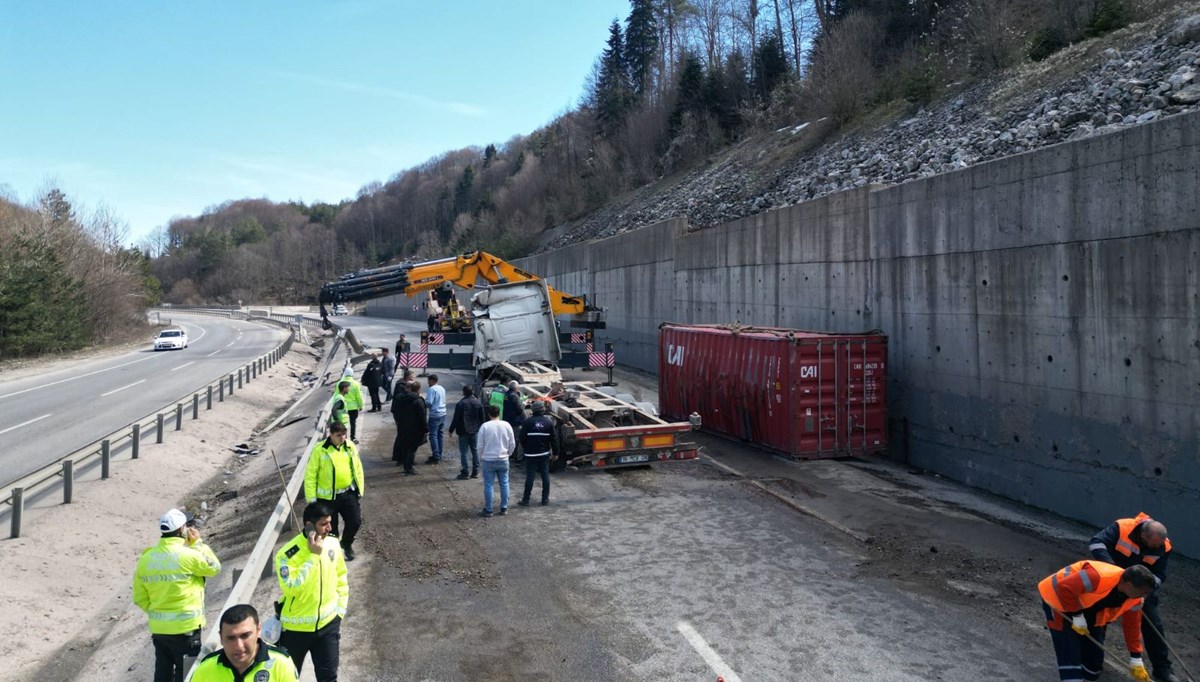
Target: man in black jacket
x,y
372,378
514,414
539,440
408,411
468,416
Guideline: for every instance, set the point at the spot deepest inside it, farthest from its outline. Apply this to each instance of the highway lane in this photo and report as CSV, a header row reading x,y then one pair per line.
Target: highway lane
x,y
64,409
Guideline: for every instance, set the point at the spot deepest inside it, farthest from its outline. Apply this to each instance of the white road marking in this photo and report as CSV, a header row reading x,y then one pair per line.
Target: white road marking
x,y
27,422
182,366
706,652
99,371
213,353
80,376
140,381
231,343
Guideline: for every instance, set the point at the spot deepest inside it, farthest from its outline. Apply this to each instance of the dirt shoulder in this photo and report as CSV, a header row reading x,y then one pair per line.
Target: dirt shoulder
x,y
69,614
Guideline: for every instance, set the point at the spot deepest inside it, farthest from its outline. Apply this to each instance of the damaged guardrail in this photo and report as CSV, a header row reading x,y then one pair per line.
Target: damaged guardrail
x,y
131,435
247,577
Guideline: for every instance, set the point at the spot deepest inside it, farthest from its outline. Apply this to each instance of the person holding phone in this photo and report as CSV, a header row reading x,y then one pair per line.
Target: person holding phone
x,y
312,576
168,585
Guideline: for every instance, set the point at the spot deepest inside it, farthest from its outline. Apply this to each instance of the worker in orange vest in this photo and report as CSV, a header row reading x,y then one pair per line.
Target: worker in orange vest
x,y
1130,542
1080,601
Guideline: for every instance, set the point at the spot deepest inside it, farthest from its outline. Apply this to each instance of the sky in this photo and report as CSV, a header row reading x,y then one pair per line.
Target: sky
x,y
162,108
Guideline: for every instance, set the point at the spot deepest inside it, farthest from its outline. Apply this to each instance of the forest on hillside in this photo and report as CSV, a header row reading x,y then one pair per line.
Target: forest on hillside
x,y
67,280
676,82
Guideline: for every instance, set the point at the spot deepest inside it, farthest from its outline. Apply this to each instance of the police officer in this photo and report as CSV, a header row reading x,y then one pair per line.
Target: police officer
x,y
312,576
540,442
339,412
168,585
1141,541
335,476
244,656
354,401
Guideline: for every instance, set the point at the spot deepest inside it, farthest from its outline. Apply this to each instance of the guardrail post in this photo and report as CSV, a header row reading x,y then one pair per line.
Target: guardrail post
x,y
195,406
209,397
239,378
253,369
68,480
18,506
158,437
231,384
178,416
221,391
105,458
135,440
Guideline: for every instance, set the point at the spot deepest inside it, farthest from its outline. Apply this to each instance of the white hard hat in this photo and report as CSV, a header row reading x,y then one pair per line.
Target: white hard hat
x,y
348,372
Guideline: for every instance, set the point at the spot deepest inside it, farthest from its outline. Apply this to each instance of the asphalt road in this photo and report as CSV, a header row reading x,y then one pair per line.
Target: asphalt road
x,y
64,409
677,572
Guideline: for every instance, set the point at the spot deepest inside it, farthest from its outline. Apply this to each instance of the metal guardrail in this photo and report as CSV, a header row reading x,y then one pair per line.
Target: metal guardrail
x,y
246,579
64,467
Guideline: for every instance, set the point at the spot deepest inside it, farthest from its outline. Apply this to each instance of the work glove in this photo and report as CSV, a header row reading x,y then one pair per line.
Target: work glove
x,y
1138,669
1079,624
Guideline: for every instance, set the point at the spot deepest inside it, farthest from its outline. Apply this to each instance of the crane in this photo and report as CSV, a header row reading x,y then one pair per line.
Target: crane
x,y
463,271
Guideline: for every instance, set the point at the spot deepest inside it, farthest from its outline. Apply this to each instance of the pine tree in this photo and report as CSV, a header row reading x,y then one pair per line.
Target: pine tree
x,y
641,45
770,67
41,307
611,93
690,95
462,193
489,155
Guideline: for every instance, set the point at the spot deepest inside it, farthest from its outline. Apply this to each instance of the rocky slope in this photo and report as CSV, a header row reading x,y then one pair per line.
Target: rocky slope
x,y
1136,76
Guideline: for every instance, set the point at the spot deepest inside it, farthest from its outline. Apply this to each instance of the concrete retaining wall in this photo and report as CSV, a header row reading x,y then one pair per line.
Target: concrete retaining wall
x,y
1043,312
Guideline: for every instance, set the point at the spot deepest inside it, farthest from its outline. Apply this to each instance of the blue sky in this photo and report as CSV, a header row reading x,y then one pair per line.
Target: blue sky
x,y
160,108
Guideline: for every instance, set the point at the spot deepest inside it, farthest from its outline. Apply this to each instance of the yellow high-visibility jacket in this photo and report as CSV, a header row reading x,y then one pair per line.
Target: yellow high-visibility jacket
x,y
354,397
332,470
273,661
315,589
169,584
337,409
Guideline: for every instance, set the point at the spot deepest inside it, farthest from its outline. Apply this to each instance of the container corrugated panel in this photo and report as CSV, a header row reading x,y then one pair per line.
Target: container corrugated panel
x,y
809,395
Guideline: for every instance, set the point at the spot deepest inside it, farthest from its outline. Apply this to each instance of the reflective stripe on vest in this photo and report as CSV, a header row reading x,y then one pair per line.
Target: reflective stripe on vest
x,y
1109,578
170,616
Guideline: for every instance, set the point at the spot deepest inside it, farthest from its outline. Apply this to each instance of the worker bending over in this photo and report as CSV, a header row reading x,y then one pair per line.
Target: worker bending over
x,y
1080,601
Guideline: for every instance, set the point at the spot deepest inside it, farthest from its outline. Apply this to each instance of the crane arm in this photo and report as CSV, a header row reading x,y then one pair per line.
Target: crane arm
x,y
462,271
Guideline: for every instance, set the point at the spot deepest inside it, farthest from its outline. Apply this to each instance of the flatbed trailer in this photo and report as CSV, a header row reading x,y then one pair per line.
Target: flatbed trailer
x,y
597,427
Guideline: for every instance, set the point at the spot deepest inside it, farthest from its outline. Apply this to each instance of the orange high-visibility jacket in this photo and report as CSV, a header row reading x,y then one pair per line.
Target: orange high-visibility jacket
x,y
1080,585
1129,548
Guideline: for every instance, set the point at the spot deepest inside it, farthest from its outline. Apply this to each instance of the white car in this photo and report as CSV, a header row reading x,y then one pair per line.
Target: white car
x,y
171,339
340,309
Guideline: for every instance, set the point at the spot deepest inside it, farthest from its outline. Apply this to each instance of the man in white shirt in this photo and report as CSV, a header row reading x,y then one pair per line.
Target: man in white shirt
x,y
436,398
496,441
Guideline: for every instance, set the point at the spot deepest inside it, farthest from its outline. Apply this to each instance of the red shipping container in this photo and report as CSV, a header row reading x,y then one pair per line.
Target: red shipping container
x,y
809,395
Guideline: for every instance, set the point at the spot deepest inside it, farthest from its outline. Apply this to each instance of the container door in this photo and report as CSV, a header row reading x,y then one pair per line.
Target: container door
x,y
863,415
814,381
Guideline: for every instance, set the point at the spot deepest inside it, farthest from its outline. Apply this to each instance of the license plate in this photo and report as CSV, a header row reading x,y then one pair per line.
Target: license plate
x,y
629,459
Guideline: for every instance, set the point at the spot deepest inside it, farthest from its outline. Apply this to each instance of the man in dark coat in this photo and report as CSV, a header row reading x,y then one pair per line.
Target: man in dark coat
x,y
408,411
468,417
514,414
372,378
